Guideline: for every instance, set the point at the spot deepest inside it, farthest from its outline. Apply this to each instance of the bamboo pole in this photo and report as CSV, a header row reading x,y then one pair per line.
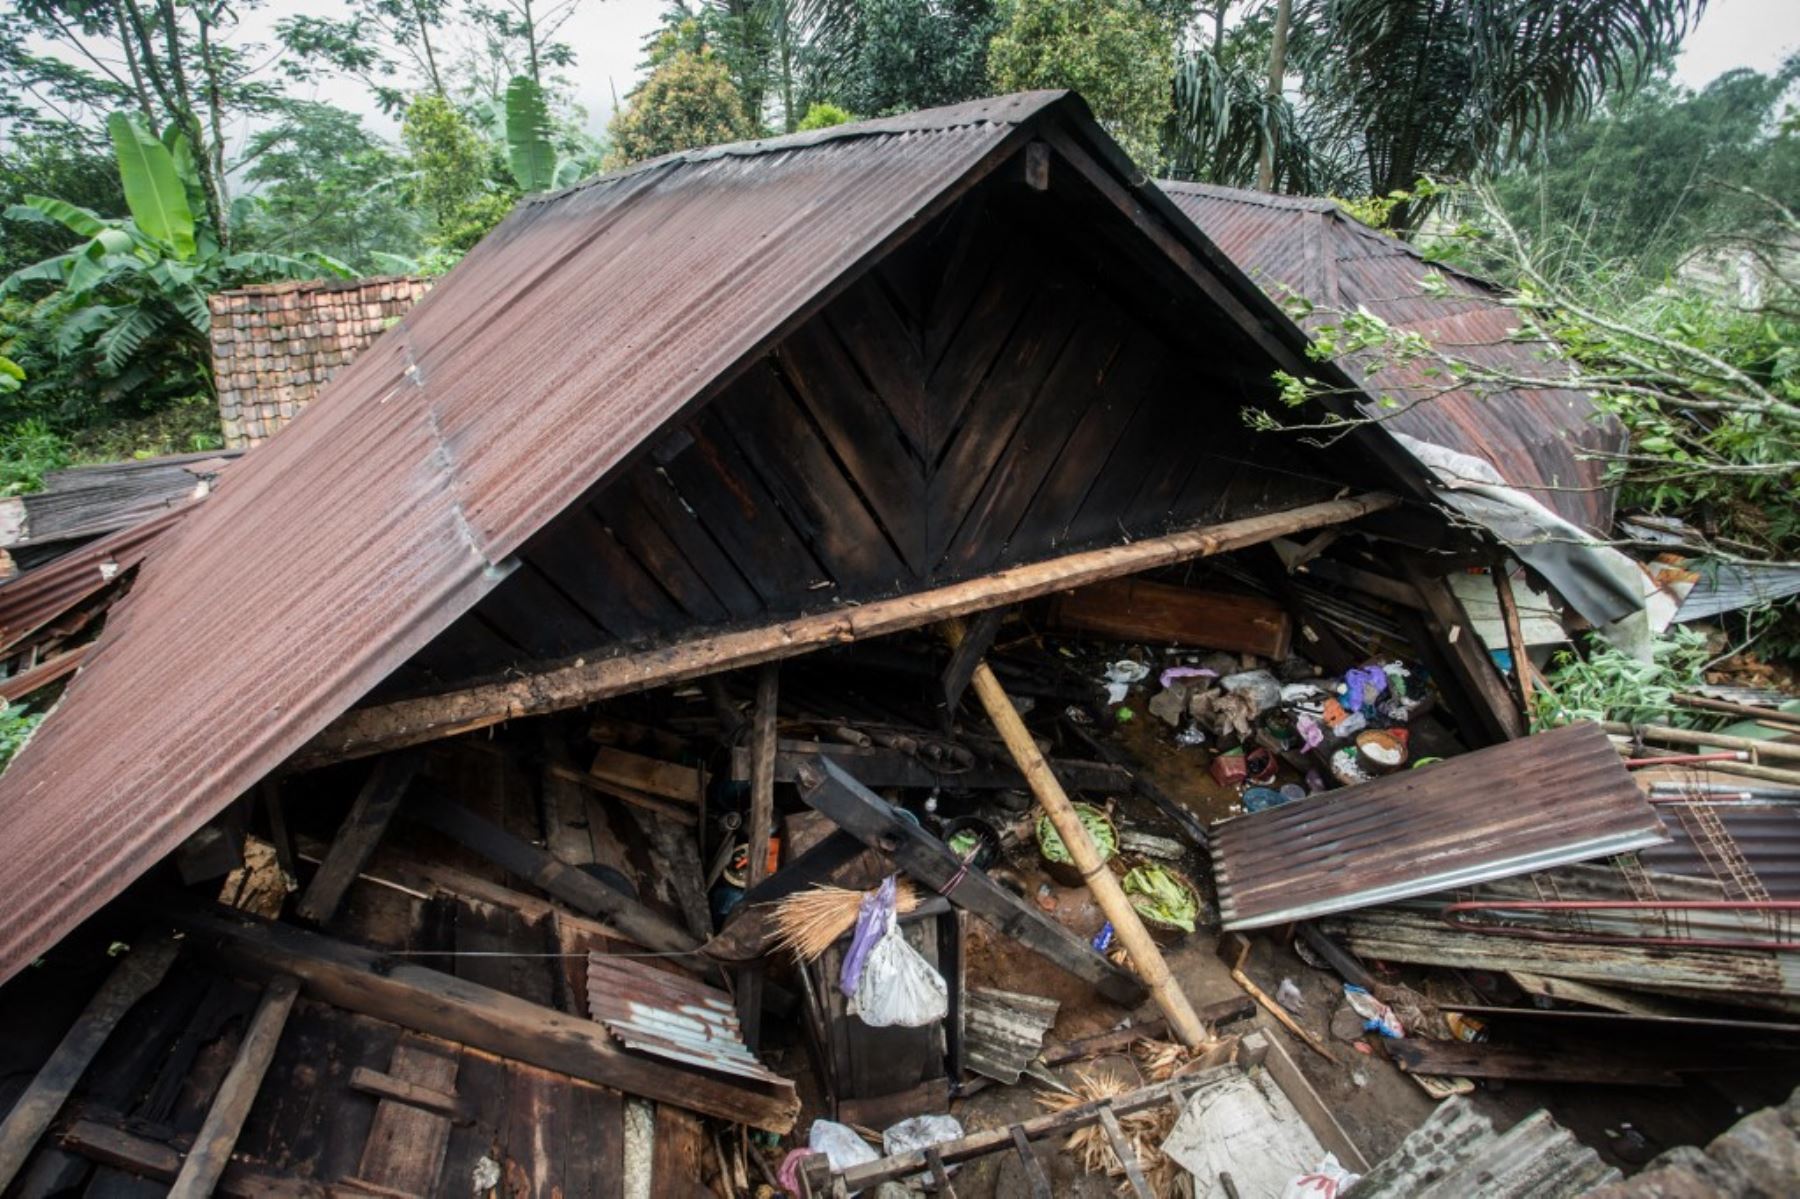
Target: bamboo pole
x,y
1146,958
1757,750
1746,711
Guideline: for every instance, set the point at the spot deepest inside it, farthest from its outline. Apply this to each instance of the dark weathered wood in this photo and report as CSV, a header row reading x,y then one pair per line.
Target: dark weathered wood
x,y
676,1151
1485,694
750,931
940,1173
653,777
577,888
358,836
1124,1151
878,766
967,656
133,978
762,829
370,730
428,1001
211,1153
411,1132
1337,957
110,1145
387,1086
1474,1060
872,820
1028,1162
1036,166
1515,636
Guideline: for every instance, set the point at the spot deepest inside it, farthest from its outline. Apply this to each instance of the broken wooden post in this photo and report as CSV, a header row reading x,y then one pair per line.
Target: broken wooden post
x,y
577,888
1146,958
358,836
213,1144
1515,634
762,828
133,978
873,821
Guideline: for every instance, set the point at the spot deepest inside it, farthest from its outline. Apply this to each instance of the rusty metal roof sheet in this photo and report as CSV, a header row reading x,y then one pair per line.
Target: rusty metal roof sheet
x,y
545,360
1533,436
673,1017
1541,801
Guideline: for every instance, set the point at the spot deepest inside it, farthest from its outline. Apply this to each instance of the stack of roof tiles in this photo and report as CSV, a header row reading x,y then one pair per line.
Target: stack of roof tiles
x,y
274,346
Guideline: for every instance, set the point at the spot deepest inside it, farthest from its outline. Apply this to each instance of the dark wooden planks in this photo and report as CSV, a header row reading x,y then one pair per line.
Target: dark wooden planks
x,y
375,804
480,1017
211,1152
406,1144
886,348
141,971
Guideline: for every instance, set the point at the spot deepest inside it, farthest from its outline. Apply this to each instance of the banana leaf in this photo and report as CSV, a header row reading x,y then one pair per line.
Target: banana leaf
x,y
1162,897
1094,820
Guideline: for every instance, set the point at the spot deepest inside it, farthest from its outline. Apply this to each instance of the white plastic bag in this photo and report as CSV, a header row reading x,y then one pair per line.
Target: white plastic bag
x,y
898,986
919,1132
840,1145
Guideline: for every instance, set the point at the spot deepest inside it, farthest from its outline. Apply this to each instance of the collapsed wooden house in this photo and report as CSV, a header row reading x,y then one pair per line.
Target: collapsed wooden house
x,y
720,409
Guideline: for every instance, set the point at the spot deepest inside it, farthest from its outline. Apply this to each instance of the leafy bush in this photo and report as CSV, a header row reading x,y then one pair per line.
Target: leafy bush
x,y
1609,684
823,116
29,450
17,723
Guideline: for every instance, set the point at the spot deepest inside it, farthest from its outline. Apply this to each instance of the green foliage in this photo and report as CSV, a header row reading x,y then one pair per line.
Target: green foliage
x,y
823,116
1119,54
28,451
1655,175
122,316
886,56
1099,828
45,165
17,723
688,100
1160,896
529,151
453,173
1607,683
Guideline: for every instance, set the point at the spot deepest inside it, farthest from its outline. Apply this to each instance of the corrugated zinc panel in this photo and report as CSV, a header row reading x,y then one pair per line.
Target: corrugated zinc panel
x,y
673,1017
1536,437
1542,801
568,337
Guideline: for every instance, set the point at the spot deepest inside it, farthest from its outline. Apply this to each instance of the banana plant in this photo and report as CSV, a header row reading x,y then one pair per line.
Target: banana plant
x,y
138,286
531,152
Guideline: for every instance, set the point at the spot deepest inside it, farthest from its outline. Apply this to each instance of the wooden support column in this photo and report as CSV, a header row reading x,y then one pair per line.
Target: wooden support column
x,y
762,827
211,1153
133,978
1488,701
357,838
1515,634
1146,958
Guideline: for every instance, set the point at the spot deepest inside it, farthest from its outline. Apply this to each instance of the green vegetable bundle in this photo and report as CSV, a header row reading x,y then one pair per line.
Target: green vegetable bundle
x,y
1099,829
1162,897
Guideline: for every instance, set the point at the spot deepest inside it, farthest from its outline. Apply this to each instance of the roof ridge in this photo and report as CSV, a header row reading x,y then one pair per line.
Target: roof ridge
x,y
1009,109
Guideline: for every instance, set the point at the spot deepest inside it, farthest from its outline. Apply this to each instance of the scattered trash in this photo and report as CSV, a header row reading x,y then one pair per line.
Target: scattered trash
x,y
919,1132
1288,996
1377,1016
897,985
1327,1180
840,1144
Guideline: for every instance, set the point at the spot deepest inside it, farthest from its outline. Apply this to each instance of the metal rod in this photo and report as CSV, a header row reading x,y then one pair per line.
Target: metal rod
x,y
1451,915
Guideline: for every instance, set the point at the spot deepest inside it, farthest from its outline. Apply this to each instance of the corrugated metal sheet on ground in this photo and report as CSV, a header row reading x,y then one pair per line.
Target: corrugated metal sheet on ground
x,y
1004,1030
570,336
1764,839
656,1012
1534,436
1542,801
1456,1154
87,501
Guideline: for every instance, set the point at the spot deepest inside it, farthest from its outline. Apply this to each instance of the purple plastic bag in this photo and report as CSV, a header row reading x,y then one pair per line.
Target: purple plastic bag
x,y
1364,686
872,920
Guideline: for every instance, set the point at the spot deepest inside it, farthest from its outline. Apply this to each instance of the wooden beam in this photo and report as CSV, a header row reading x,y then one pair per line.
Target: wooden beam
x,y
400,1090
358,836
967,656
1515,636
652,776
139,973
211,1153
1489,702
877,766
873,821
110,1145
577,888
374,729
428,1001
1164,614
762,828
405,1148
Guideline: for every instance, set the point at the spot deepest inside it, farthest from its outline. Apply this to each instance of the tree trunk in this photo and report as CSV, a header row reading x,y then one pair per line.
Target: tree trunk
x,y
1265,170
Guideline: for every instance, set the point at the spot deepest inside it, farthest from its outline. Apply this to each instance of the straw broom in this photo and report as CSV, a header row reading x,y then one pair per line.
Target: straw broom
x,y
807,923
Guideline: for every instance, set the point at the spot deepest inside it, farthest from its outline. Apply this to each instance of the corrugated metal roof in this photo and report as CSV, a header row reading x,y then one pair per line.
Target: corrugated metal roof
x,y
656,1012
1004,1030
1754,849
1541,801
1456,1154
562,342
1533,436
